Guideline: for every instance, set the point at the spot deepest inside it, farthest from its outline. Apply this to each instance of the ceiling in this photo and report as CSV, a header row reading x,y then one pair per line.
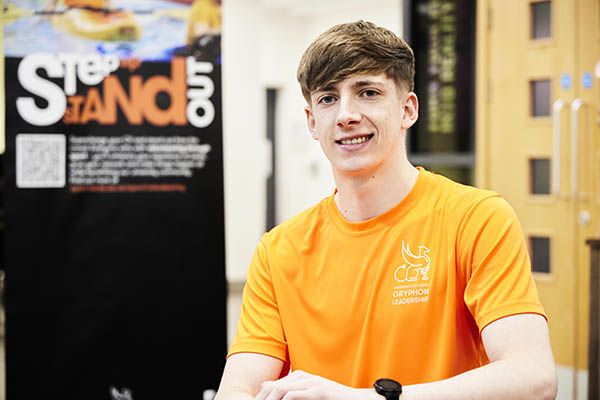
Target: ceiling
x,y
312,7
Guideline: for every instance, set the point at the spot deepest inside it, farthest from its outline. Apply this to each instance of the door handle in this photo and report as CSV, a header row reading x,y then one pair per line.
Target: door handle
x,y
575,107
557,107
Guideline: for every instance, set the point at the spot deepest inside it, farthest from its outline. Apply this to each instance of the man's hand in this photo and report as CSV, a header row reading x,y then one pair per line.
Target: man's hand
x,y
300,385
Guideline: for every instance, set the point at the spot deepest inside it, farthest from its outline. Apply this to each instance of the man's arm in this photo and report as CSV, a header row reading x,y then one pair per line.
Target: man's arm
x,y
244,373
521,367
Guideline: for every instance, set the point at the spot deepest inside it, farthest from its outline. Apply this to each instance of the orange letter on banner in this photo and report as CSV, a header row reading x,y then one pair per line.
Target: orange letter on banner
x,y
175,88
92,109
115,94
72,113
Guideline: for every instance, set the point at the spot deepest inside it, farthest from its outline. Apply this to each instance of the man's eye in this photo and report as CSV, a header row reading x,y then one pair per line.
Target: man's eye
x,y
370,93
327,99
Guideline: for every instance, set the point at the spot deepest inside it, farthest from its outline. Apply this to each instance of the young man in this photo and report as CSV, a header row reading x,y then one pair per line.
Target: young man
x,y
400,274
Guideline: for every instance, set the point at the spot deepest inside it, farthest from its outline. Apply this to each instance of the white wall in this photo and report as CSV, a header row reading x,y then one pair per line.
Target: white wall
x,y
566,382
243,127
263,41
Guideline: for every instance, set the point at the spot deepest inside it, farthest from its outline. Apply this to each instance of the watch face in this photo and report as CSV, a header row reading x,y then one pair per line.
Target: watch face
x,y
388,385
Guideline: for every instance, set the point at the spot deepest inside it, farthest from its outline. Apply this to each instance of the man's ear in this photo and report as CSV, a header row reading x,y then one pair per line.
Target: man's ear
x,y
411,110
310,122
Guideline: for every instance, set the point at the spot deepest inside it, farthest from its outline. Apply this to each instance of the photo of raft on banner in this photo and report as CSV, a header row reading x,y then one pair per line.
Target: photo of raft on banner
x,y
151,30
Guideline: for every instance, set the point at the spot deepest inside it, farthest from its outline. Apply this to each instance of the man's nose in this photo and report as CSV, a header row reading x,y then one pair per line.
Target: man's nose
x,y
348,113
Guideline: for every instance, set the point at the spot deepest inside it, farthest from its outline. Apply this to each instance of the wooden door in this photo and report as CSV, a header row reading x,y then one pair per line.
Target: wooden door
x,y
537,144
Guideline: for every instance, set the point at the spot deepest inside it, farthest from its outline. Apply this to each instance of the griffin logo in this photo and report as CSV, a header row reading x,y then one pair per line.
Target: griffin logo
x,y
123,394
415,265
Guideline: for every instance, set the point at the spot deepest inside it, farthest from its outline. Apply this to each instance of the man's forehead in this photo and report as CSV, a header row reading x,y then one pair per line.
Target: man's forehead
x,y
359,80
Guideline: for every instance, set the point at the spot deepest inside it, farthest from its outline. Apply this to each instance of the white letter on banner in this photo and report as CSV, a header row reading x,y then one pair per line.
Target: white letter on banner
x,y
69,61
194,68
201,89
53,94
199,102
90,69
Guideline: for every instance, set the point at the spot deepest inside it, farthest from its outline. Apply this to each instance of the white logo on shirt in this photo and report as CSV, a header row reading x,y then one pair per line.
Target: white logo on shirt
x,y
412,277
414,265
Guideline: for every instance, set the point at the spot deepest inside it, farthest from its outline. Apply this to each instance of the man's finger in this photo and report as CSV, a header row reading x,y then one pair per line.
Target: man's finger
x,y
277,390
265,390
297,395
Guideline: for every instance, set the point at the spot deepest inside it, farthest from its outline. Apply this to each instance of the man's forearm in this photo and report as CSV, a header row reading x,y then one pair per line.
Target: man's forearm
x,y
233,393
501,380
509,379
244,373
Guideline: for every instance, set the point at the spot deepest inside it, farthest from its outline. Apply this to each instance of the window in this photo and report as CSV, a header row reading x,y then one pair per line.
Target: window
x,y
541,20
271,135
540,254
539,173
540,98
442,35
459,174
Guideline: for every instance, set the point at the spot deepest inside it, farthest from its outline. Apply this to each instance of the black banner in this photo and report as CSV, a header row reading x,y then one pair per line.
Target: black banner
x,y
443,39
114,243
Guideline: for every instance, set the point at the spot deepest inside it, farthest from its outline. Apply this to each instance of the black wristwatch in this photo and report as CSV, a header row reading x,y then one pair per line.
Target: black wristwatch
x,y
388,388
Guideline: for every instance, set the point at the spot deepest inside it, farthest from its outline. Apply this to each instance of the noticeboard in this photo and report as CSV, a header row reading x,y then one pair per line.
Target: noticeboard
x,y
114,243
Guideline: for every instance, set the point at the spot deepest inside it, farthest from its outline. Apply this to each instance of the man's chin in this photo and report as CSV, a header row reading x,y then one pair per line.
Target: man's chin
x,y
354,170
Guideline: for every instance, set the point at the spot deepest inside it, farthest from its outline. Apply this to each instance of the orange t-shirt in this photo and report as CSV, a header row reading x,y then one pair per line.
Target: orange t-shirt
x,y
404,295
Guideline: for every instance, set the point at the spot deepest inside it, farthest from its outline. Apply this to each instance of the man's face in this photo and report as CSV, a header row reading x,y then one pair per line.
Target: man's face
x,y
361,122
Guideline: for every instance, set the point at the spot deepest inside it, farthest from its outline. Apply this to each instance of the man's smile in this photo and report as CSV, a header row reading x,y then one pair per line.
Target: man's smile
x,y
355,139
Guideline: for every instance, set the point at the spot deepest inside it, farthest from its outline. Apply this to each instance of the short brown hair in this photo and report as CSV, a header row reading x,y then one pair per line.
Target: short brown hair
x,y
350,49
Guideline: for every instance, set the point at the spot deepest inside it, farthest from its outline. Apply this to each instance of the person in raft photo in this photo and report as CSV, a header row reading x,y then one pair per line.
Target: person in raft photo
x,y
95,19
400,285
93,4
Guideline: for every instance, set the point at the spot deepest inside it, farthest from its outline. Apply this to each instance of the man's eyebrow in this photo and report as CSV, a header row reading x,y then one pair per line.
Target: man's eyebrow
x,y
327,88
363,83
355,85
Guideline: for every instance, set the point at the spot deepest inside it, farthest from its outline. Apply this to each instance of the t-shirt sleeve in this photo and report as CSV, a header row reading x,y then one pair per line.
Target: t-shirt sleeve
x,y
259,328
496,264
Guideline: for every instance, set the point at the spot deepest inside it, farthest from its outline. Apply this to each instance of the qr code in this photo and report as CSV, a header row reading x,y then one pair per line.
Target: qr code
x,y
41,160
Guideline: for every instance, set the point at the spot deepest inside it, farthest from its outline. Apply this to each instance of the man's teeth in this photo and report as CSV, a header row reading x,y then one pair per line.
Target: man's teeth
x,y
359,140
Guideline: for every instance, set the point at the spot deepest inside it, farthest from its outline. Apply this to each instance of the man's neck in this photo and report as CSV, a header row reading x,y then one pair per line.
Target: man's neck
x,y
359,198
